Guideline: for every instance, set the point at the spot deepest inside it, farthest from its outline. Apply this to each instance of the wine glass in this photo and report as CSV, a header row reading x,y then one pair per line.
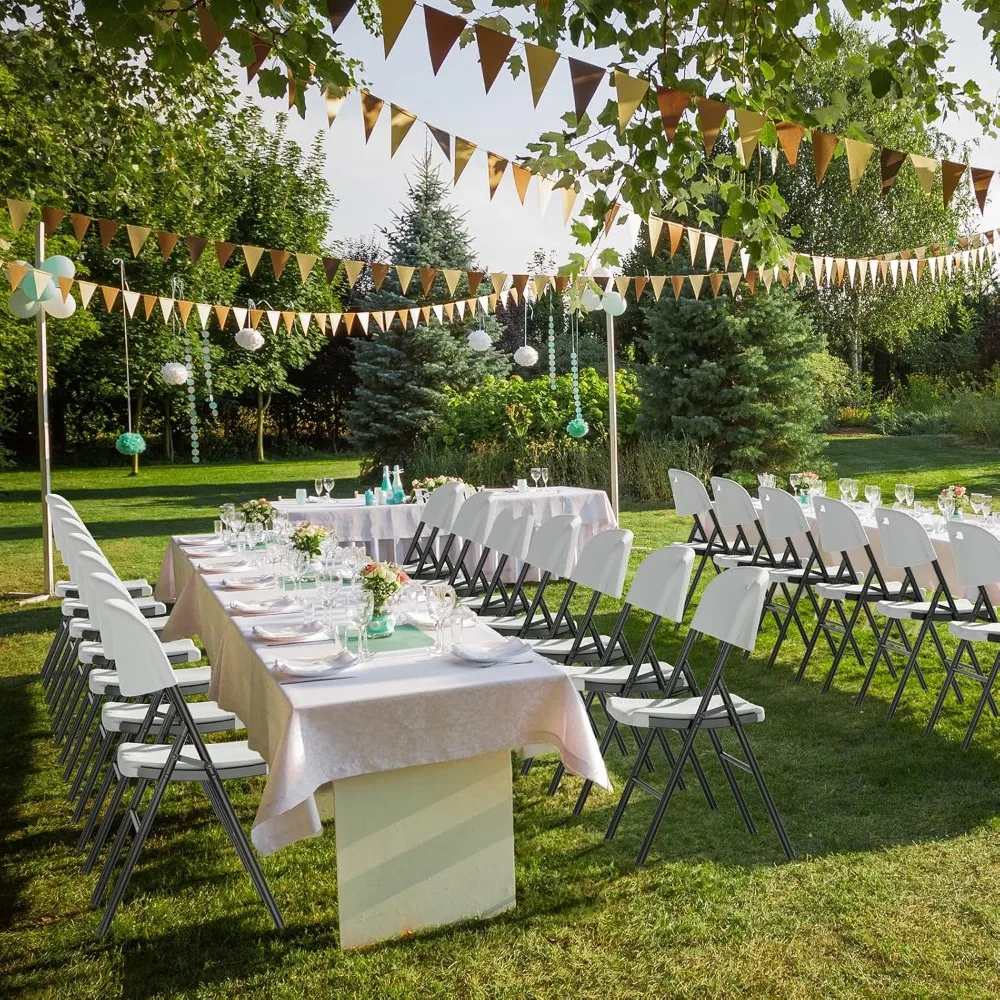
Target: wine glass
x,y
237,520
900,493
873,494
908,499
318,486
406,602
765,479
976,502
536,474
329,604
441,603
946,504
360,606
545,475
793,480
818,488
299,563
845,489
328,484
987,505
853,489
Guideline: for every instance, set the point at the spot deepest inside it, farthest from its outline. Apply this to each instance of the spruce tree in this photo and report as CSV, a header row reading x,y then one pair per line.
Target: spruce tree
x,y
402,374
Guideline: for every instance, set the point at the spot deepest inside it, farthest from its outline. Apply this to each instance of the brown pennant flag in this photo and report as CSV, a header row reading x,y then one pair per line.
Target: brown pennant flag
x,y
80,224
715,280
330,265
609,217
657,281
677,280
790,136
443,138
184,308
427,275
379,272
137,236
569,200
858,155
673,104
785,277
252,255
221,315
195,245
925,168
337,10
824,146
463,153
475,279
261,49
87,289
541,62
585,78
148,305
110,295
497,167
288,318
981,185
334,98
752,282
890,161
655,226
400,123
630,93
562,282
498,282
51,217
371,108
494,47
750,125
519,282
353,269
107,229
451,278
728,244
16,273
711,115
166,243
211,36
306,262
640,284
279,258
522,178
697,280
223,251
405,274
443,30
676,232
395,13
19,211
951,174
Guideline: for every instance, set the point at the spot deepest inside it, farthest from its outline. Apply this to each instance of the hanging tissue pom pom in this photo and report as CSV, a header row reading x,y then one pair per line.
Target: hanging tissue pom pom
x,y
526,356
249,339
174,373
130,444
577,427
479,340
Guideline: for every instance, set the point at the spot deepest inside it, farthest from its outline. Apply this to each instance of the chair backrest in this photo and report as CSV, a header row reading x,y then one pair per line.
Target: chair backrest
x,y
731,606
57,502
661,582
141,663
977,554
63,523
840,528
101,588
903,538
690,495
733,505
781,513
443,504
510,535
88,564
77,545
603,562
475,518
553,547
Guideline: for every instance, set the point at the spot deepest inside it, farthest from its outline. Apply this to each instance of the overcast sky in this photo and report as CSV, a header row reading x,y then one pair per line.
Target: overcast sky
x,y
369,185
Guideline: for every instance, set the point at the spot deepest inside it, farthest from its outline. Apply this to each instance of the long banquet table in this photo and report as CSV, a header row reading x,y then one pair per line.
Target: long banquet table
x,y
416,748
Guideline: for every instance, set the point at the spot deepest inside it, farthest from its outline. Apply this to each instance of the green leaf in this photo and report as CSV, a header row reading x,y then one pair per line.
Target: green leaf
x,y
881,81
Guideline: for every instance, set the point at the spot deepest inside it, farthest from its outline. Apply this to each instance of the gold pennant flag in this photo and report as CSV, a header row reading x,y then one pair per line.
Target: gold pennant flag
x,y
66,286
750,125
443,30
890,160
51,217
609,217
585,78
715,280
87,289
107,229
541,283
404,273
630,93
640,284
824,146
18,211
223,251
541,62
16,273
494,47
925,168
463,153
306,262
252,255
379,273
166,307
110,295
427,275
279,258
694,238
728,244
288,318
655,226
697,280
677,280
622,281
449,310
443,138
167,242
451,278
711,242
137,236
371,108
676,231
395,14
790,136
496,165
499,280
522,178
221,315
734,281
981,179
149,305
131,301
768,277
334,98
475,279
858,155
672,104
400,123
711,115
322,319
80,224
657,282
568,201
256,315
195,245
379,318
353,269
184,308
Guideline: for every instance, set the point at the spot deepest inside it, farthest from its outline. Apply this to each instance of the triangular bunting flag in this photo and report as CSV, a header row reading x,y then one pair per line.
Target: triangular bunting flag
x,y
790,136
443,138
330,265
858,155
439,312
131,301
337,10
80,224
334,98
395,14
568,201
609,217
65,287
371,108
110,295
361,320
541,62
166,243
519,282
451,278
585,78
711,242
657,282
204,310
184,308
673,104
211,36
694,238
768,278
925,168
51,217
427,275
306,262
630,93
379,318
261,49
149,305
379,272
195,245
87,289
750,124
711,115
256,315
697,280
404,273
273,319
475,279
353,269
951,174
279,258
252,255
890,160
715,280
223,251
494,47
499,279
824,146
463,153
222,314
728,245
622,281
137,236
981,185
734,281
522,178
107,228
655,226
443,30
19,211
677,280
676,231
640,285
16,273
496,165
166,307
305,318
288,318
401,123
751,277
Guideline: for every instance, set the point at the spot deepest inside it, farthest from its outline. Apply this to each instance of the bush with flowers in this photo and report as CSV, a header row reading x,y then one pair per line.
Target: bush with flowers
x,y
382,580
257,511
309,538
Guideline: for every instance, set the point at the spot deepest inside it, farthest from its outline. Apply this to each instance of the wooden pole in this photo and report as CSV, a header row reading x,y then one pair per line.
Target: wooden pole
x,y
44,452
612,413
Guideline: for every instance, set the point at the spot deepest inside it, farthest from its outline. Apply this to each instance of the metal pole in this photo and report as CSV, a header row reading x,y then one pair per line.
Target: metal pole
x,y
612,413
44,454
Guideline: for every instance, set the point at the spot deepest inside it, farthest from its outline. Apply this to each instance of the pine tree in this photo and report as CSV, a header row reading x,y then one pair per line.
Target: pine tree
x,y
402,374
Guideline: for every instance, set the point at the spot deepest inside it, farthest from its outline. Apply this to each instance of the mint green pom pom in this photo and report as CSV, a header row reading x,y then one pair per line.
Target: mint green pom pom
x,y
577,427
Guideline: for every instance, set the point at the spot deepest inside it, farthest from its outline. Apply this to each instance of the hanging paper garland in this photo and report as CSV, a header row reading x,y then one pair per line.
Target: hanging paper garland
x,y
552,340
128,443
577,427
206,355
526,356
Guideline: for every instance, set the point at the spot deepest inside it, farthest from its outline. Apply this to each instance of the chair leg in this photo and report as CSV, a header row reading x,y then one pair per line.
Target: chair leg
x,y
741,803
104,830
912,666
977,714
95,810
772,809
117,845
630,784
102,745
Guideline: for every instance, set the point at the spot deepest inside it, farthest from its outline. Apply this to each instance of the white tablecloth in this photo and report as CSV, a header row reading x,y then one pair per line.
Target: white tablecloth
x,y
404,708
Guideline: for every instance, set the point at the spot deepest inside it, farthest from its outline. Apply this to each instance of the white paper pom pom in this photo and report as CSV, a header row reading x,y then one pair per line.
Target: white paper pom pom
x,y
526,356
479,340
174,373
590,300
249,339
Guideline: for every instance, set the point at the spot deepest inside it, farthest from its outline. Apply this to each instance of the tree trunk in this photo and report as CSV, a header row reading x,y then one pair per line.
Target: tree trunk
x,y
168,431
135,466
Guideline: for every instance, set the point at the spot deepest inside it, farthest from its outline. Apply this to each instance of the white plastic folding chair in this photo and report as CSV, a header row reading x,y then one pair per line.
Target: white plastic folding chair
x,y
691,499
730,611
977,565
179,754
508,539
439,515
472,524
735,511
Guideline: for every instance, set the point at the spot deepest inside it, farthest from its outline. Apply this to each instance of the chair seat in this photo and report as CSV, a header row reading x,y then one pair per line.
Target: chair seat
x,y
177,650
128,717
852,591
149,606
919,610
136,588
795,574
611,679
975,631
679,713
514,623
700,546
725,561
231,760
83,628
191,680
560,649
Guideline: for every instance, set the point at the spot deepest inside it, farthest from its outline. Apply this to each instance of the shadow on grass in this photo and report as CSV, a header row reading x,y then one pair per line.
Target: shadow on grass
x,y
29,619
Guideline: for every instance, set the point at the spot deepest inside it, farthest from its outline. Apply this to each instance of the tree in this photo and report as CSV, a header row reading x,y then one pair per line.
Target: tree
x,y
402,374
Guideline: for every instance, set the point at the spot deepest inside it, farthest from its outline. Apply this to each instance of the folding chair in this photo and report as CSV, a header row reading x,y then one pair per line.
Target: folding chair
x,y
706,539
508,539
734,510
730,611
439,515
977,564
906,546
472,524
179,754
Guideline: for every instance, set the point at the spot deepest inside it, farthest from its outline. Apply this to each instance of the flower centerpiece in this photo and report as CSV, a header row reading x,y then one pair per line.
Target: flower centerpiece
x,y
309,538
382,580
807,482
431,483
954,495
257,511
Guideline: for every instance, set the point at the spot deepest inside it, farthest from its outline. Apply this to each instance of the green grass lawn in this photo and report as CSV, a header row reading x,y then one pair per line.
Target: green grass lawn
x,y
894,892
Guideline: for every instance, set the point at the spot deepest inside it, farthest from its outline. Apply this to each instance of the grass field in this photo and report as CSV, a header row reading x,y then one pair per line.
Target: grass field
x,y
894,892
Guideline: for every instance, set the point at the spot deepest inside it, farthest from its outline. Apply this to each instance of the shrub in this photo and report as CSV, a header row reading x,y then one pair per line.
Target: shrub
x,y
833,382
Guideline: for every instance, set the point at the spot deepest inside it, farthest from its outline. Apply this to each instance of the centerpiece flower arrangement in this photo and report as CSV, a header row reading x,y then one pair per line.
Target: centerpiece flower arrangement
x,y
433,482
382,580
808,481
257,511
309,538
957,494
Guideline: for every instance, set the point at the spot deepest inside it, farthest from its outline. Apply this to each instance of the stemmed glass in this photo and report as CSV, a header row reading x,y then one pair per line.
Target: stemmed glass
x,y
328,484
441,603
545,475
853,490
946,505
976,502
536,474
908,499
329,600
845,488
237,520
360,606
818,488
766,479
900,493
226,510
298,564
318,487
873,494
793,480
406,602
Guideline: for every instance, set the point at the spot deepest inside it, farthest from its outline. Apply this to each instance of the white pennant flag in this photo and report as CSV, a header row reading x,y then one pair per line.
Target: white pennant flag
x,y
828,265
305,319
711,242
545,188
131,301
852,270
274,318
913,268
241,316
873,270
439,312
204,311
745,261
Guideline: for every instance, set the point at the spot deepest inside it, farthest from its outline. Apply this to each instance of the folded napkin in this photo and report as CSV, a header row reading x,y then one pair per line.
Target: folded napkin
x,y
254,581
290,633
514,650
221,565
280,606
209,551
204,540
337,665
